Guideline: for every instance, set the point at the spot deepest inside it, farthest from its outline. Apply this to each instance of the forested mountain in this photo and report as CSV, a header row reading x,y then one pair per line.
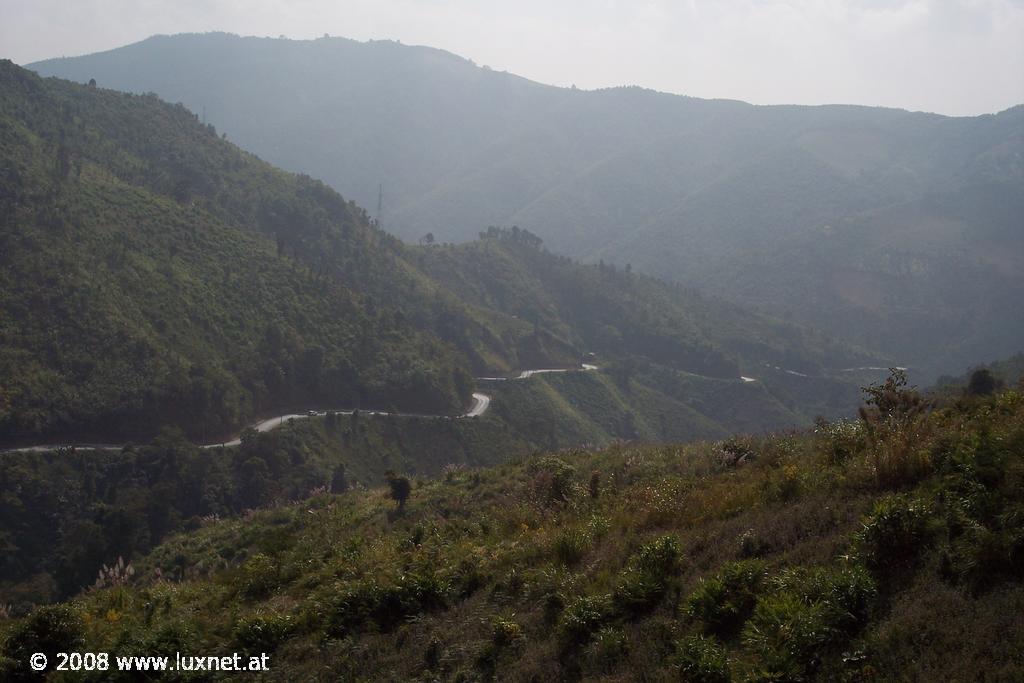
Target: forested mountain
x,y
850,218
154,274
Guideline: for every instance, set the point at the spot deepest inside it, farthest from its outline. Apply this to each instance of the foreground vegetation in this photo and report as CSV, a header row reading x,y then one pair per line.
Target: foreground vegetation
x,y
65,513
892,546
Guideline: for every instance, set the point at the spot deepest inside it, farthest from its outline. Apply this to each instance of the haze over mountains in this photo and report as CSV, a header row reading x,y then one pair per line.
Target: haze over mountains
x,y
171,300
900,231
154,274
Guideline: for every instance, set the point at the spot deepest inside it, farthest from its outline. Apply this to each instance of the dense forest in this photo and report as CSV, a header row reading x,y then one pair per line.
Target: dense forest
x,y
154,274
888,546
849,218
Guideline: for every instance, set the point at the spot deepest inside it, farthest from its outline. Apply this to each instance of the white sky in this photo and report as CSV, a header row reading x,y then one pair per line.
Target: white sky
x,y
958,57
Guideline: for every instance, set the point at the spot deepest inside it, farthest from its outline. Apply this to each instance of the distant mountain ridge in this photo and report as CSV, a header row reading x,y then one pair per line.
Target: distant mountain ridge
x,y
835,215
153,274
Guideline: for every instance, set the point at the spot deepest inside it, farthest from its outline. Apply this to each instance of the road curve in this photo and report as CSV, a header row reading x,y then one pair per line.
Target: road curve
x,y
481,403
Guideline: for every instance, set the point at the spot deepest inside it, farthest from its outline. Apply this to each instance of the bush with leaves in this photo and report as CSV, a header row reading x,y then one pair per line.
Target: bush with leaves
x,y
47,630
894,418
570,546
263,632
702,659
647,578
584,616
399,487
554,479
371,604
894,533
725,601
258,577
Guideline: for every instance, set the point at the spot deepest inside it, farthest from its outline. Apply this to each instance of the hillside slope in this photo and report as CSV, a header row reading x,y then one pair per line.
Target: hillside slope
x,y
845,217
888,548
154,274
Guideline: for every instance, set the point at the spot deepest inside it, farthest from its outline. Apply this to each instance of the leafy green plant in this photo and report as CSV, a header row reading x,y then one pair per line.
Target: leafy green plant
x,y
702,659
788,635
894,533
264,632
582,617
258,577
608,649
895,423
369,604
570,546
847,591
47,630
650,573
804,613
554,479
724,602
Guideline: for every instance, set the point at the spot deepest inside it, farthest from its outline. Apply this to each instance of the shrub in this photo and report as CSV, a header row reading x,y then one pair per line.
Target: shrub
x,y
783,484
702,659
844,439
895,421
554,479
263,632
659,558
648,577
808,611
637,593
893,533
370,604
49,630
788,635
505,633
752,545
980,557
983,383
726,600
608,649
258,577
582,617
570,546
400,488
847,592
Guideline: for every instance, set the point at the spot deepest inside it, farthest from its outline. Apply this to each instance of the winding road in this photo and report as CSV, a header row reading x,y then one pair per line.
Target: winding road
x,y
481,402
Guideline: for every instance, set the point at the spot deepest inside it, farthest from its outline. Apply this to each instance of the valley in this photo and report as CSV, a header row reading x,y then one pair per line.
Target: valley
x,y
378,364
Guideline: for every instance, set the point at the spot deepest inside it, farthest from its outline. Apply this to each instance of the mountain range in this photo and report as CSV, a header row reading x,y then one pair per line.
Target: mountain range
x,y
154,274
899,231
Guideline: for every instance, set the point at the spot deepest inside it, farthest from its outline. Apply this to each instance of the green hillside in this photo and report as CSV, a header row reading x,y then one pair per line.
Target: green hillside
x,y
844,217
890,547
154,274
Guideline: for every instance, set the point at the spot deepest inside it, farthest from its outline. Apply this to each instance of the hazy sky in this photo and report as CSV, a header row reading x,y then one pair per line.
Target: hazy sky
x,y
950,56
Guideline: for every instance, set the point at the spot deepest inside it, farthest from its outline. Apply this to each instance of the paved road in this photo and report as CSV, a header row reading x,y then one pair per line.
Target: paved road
x,y
481,402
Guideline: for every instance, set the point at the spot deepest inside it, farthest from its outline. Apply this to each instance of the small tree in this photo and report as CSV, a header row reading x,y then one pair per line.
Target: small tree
x,y
339,482
400,488
983,383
